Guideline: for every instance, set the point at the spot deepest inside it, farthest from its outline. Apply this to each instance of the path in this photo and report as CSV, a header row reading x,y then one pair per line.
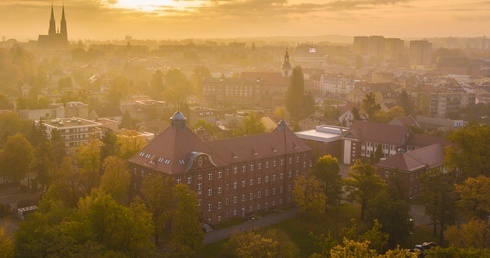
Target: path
x,y
259,222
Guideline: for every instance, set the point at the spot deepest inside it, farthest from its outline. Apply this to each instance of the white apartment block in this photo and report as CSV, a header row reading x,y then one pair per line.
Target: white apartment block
x,y
74,131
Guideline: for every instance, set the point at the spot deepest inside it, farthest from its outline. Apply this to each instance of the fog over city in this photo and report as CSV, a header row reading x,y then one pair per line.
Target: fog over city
x,y
244,128
162,19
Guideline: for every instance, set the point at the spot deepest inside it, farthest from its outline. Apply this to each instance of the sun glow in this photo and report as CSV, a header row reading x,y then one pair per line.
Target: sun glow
x,y
149,5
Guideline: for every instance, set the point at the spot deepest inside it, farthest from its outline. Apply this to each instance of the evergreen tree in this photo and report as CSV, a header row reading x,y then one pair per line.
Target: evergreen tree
x,y
295,94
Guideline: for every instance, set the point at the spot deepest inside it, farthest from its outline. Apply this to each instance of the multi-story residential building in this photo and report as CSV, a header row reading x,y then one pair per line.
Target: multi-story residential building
x,y
378,47
447,104
232,177
420,52
335,84
74,131
363,138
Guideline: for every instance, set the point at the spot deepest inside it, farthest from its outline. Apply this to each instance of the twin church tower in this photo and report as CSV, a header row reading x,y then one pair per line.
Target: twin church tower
x,y
55,38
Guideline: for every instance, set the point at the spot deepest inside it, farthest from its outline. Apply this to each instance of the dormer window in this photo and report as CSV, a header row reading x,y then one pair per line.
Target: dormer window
x,y
142,154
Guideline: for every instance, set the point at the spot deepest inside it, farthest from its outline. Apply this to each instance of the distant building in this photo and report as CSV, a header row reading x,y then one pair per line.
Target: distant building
x,y
233,177
406,168
55,38
420,52
378,47
324,140
363,138
74,131
447,104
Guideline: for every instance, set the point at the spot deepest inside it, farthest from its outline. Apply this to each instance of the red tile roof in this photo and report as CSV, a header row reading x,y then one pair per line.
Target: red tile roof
x,y
380,133
430,156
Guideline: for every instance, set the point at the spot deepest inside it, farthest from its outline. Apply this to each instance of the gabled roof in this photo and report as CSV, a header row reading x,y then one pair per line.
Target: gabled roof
x,y
174,150
405,120
430,157
380,133
421,140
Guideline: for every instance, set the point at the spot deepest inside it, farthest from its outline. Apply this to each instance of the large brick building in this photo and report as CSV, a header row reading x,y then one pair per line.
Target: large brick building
x,y
232,177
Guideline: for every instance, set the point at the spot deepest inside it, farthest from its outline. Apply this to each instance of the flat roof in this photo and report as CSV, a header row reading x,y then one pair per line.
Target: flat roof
x,y
69,122
322,133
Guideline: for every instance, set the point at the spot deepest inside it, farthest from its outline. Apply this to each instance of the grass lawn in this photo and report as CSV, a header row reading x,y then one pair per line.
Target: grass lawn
x,y
301,230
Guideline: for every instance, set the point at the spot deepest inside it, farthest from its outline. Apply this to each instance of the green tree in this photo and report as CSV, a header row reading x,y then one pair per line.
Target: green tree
x,y
16,158
158,196
177,86
475,196
473,234
88,160
186,225
198,76
309,195
109,146
252,124
44,164
327,170
295,94
129,143
406,102
207,126
6,244
375,236
369,104
437,194
363,185
351,248
469,150
116,178
271,243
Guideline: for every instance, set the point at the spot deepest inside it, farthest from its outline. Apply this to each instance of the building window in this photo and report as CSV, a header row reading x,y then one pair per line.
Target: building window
x,y
266,192
387,174
199,202
234,185
258,194
290,160
189,180
179,180
199,175
290,174
219,189
282,162
267,164
304,164
234,212
235,169
227,201
259,180
274,177
267,179
259,166
244,168
220,174
289,188
281,189
274,163
297,159
219,218
235,199
251,196
243,183
210,191
251,182
209,207
274,191
251,167
219,205
210,175
281,175
243,197
199,185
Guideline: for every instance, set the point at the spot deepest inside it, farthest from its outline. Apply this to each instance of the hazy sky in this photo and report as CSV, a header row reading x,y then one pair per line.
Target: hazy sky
x,y
164,19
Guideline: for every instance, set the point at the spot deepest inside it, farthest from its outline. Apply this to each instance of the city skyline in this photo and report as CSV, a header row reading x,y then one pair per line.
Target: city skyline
x,y
174,19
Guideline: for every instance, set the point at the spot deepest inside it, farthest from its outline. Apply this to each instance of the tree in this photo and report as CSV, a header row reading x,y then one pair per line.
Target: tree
x,y
469,151
363,185
252,124
109,147
309,195
327,170
44,164
177,86
6,244
156,84
473,234
295,94
271,243
376,155
129,143
158,196
186,225
475,196
438,196
119,88
116,178
198,76
376,238
351,248
16,158
406,102
369,104
88,160
207,126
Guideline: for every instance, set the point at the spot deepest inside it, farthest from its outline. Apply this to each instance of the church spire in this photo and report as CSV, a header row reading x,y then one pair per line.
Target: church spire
x,y
286,66
63,31
52,23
